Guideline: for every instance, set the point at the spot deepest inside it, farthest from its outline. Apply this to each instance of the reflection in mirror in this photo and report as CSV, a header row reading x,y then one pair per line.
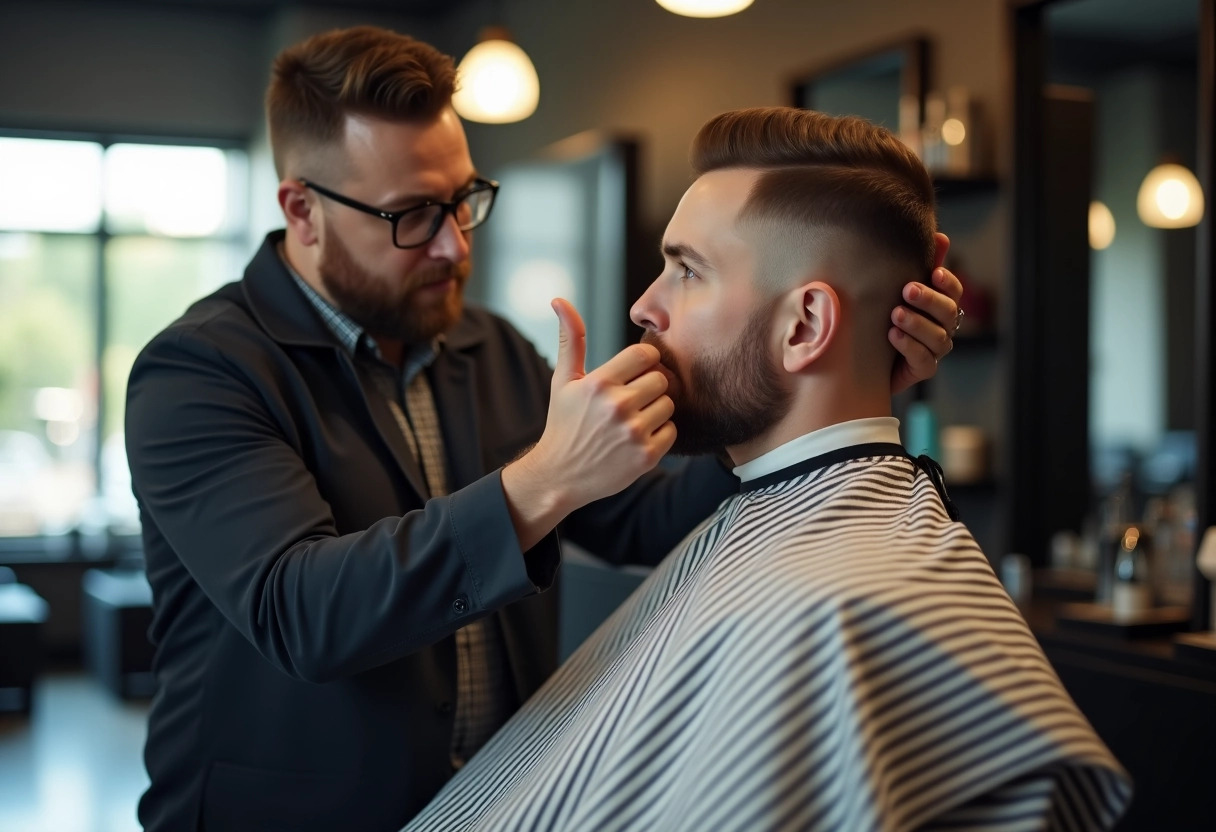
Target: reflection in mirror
x,y
870,85
1139,62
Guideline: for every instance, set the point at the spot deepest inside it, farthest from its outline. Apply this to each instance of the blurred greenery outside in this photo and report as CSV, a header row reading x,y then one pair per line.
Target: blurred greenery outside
x,y
49,361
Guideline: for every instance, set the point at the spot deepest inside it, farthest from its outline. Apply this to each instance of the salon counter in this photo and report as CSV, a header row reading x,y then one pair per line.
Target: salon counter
x,y
1154,706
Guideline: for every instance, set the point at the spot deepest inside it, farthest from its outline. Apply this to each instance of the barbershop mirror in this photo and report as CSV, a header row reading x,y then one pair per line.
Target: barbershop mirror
x,y
870,84
1106,91
1140,64
1129,72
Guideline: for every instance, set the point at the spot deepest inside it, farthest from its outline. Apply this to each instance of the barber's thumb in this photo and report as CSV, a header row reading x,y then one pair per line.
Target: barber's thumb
x,y
571,342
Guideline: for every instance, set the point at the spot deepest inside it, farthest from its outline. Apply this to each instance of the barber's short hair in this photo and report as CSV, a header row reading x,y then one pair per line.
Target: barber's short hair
x,y
364,70
831,172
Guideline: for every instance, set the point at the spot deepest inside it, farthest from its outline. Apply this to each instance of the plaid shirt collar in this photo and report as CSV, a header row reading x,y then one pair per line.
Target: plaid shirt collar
x,y
352,337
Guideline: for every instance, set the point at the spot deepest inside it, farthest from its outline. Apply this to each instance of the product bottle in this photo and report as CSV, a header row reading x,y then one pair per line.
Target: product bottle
x,y
1159,525
1117,515
1132,590
1179,569
933,149
920,431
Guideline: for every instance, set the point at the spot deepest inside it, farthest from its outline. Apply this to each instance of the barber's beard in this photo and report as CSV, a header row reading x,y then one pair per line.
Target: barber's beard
x,y
392,309
727,398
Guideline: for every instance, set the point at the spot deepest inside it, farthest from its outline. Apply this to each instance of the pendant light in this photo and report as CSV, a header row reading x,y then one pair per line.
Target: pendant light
x,y
1170,197
1101,226
704,8
497,82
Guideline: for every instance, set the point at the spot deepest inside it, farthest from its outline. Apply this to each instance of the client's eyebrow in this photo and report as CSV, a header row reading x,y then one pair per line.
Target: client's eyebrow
x,y
686,253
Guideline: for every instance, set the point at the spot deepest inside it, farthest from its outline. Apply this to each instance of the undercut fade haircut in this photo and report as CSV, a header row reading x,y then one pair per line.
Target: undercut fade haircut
x,y
363,70
827,172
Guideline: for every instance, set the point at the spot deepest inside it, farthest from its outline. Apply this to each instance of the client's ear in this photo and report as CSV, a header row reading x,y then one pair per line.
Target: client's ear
x,y
812,327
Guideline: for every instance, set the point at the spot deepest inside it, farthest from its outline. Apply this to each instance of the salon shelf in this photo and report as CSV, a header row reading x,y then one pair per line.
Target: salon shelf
x,y
1142,654
1152,707
1085,617
952,186
1196,647
1064,585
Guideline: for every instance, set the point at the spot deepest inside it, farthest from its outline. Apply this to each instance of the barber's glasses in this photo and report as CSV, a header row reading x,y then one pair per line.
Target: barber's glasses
x,y
418,225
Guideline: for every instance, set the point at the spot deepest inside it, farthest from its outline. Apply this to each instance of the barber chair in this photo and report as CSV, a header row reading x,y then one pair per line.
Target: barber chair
x,y
22,614
116,614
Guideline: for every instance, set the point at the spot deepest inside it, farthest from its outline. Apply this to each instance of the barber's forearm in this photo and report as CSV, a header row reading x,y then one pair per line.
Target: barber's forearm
x,y
535,501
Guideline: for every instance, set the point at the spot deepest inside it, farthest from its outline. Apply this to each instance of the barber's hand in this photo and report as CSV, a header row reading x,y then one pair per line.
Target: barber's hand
x,y
608,427
923,338
604,430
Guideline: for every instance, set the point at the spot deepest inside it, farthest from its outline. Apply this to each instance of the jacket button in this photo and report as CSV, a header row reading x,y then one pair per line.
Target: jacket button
x,y
461,605
444,708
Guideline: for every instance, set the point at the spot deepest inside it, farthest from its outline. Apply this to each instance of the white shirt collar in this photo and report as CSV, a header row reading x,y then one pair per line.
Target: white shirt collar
x,y
831,438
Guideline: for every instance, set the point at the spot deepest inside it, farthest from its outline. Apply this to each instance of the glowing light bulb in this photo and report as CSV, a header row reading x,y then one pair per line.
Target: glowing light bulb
x,y
953,131
1170,197
1101,226
498,83
704,8
1173,199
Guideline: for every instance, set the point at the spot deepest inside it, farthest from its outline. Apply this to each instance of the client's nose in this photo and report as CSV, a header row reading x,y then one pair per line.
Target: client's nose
x,y
647,312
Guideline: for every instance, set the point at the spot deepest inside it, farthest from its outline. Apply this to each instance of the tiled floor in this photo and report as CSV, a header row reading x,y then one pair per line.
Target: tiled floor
x,y
78,767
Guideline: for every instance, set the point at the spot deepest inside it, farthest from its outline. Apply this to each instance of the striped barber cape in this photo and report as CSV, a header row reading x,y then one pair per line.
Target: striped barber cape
x,y
828,651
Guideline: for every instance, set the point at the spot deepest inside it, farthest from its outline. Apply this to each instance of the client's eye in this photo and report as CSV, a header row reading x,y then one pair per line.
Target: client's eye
x,y
687,273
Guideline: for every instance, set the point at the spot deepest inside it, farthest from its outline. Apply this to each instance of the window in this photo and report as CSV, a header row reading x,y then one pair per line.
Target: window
x,y
102,244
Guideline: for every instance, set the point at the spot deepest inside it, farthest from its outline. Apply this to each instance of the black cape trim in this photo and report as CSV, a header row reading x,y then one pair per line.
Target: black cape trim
x,y
870,449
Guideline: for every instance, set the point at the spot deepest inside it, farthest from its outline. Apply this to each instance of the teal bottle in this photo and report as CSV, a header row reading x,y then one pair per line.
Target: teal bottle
x,y
920,431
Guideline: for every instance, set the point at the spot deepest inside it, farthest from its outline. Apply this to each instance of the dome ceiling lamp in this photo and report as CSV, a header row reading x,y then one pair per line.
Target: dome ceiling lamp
x,y
705,8
1170,197
1101,226
496,81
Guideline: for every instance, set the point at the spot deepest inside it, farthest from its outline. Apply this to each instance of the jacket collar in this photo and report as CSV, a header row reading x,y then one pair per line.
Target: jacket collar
x,y
282,310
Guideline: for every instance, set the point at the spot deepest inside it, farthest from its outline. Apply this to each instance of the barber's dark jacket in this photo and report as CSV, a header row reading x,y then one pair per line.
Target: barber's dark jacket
x,y
305,591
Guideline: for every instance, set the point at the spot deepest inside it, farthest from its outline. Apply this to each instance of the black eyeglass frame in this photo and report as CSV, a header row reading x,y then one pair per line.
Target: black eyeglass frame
x,y
394,217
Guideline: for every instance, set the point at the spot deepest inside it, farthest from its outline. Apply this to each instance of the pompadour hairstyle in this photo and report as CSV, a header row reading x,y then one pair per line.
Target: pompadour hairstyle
x,y
827,172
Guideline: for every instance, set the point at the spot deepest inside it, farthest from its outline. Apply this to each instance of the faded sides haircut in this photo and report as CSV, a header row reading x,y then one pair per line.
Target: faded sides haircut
x,y
822,173
365,71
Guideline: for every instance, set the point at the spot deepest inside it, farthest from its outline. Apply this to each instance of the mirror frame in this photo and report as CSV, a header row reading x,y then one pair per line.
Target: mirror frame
x,y
914,78
1031,415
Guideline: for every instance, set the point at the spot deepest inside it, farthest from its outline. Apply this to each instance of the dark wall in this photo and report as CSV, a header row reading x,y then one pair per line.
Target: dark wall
x,y
129,68
1179,136
143,68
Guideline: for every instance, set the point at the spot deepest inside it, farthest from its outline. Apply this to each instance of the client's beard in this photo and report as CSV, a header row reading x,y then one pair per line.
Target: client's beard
x,y
729,398
391,310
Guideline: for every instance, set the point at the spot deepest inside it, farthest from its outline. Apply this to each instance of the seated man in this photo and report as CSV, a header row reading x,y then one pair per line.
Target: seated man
x,y
830,650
